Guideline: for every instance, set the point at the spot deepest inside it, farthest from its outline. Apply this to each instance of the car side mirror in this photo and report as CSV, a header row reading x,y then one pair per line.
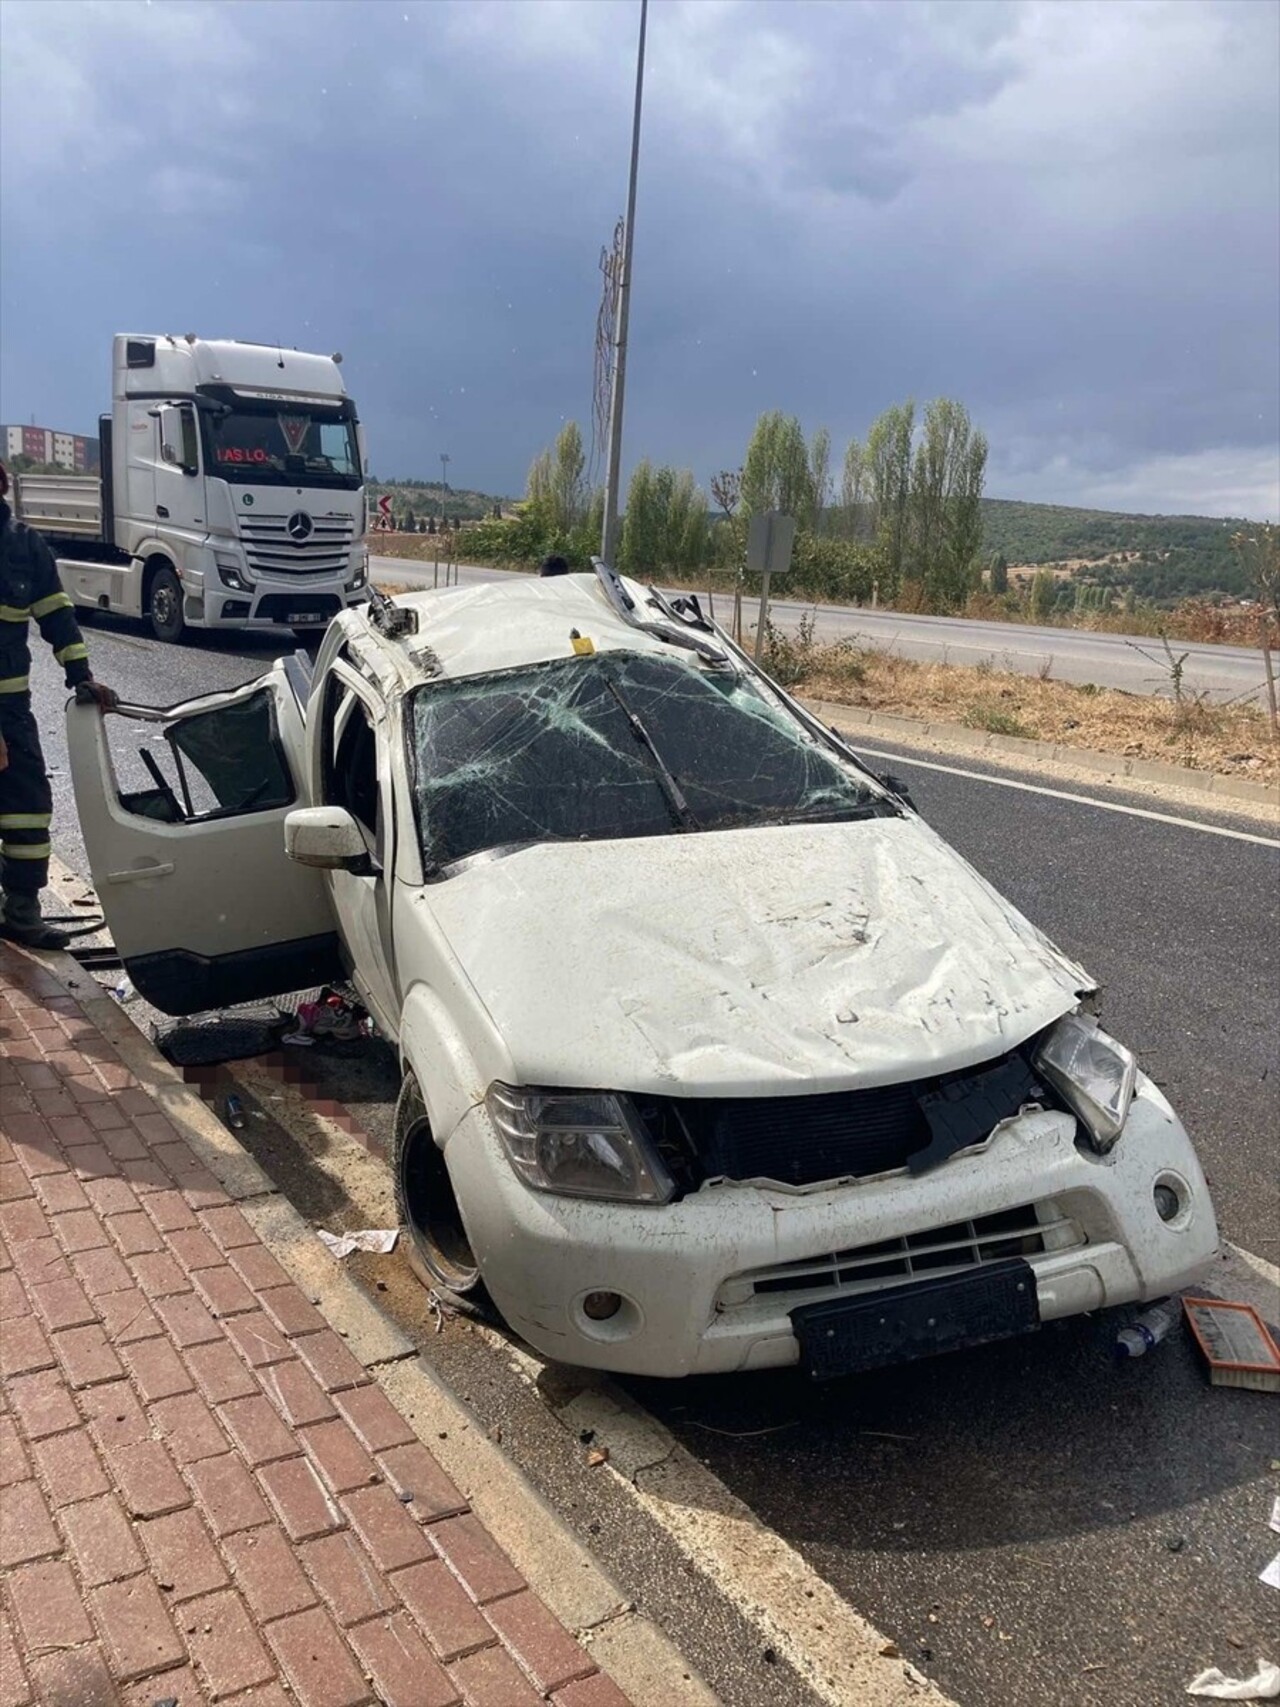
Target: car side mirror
x,y
896,785
328,837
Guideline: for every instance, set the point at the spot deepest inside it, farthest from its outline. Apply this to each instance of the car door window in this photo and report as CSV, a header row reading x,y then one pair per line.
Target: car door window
x,y
218,763
350,767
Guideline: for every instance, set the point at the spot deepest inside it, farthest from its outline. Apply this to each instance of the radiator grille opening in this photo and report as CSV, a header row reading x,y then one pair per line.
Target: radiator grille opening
x,y
1029,1230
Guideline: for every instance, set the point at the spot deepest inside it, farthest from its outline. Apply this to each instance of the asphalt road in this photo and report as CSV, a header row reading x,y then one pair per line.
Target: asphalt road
x,y
1030,1522
1069,655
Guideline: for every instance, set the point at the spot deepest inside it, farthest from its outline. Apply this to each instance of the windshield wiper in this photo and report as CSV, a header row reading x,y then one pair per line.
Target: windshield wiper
x,y
681,811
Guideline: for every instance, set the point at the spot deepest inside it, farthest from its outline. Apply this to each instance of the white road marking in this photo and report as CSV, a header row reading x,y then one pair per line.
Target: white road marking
x,y
840,1655
1060,794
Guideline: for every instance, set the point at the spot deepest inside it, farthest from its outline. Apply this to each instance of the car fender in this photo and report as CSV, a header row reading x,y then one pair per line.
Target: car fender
x,y
434,1049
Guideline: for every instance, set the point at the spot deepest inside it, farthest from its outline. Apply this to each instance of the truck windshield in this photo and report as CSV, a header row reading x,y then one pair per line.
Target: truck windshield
x,y
620,744
279,446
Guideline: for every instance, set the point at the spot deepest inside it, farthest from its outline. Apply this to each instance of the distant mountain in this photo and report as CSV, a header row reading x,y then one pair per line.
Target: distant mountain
x,y
1163,558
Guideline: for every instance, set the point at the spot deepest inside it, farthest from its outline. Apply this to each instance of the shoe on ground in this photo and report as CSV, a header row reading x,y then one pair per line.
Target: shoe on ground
x,y
21,923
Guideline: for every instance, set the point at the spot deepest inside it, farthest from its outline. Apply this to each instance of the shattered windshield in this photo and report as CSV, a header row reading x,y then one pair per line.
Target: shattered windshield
x,y
614,745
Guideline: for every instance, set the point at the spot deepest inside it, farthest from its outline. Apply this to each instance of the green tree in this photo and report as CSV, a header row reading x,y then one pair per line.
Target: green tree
x,y
853,492
888,479
1043,593
819,476
567,487
776,474
1000,573
666,528
946,503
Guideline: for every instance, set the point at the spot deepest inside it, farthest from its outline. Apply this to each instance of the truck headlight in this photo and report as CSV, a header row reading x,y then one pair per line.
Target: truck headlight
x,y
360,570
230,576
1094,1074
578,1144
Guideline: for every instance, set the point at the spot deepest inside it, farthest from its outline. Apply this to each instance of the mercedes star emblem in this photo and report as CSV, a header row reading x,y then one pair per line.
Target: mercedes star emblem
x,y
298,527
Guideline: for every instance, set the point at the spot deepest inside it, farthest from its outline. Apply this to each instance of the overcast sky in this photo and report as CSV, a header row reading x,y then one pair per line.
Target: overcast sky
x,y
1066,214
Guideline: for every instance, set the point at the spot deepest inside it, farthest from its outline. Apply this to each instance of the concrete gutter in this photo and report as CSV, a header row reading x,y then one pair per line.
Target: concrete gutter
x,y
1113,766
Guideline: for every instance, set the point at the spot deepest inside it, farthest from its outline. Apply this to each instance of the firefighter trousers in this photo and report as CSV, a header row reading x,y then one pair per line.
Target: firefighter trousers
x,y
26,803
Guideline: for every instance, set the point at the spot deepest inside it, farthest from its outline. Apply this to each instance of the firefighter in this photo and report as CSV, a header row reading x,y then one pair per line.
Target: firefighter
x,y
29,587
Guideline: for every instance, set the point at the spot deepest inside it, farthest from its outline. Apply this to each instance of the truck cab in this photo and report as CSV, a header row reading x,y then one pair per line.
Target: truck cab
x,y
232,490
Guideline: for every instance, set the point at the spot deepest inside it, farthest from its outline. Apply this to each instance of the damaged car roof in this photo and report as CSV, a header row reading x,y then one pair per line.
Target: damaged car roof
x,y
501,625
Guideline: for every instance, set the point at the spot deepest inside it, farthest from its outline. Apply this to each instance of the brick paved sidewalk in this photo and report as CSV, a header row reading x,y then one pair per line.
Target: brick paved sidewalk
x,y
203,1495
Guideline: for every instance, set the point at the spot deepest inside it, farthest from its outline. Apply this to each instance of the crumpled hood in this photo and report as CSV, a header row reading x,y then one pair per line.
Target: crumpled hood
x,y
750,962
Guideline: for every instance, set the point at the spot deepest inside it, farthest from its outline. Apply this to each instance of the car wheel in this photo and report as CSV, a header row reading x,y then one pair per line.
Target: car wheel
x,y
164,606
437,1246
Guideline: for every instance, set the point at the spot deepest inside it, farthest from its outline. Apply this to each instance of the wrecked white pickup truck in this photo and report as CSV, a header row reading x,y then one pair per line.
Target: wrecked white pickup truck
x,y
715,1055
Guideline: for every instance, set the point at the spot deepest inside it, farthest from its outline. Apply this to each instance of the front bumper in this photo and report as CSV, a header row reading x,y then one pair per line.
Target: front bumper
x,y
708,1282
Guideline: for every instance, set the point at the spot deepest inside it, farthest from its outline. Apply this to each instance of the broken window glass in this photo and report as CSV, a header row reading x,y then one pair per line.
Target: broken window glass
x,y
214,763
613,745
235,750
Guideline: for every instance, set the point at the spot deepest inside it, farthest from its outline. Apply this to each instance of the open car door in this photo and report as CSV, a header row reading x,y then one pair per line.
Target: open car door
x,y
182,810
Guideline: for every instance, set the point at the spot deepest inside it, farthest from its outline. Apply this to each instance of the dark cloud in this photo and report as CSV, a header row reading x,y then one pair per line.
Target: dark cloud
x,y
1065,216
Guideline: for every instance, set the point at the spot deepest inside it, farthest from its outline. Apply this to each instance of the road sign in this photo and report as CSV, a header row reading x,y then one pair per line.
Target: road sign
x,y
384,505
770,537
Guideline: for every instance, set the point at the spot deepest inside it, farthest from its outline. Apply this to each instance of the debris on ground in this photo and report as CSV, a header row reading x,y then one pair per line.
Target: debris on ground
x,y
1264,1685
380,1240
1146,1331
1235,1344
1270,1574
212,1041
597,1456
332,1017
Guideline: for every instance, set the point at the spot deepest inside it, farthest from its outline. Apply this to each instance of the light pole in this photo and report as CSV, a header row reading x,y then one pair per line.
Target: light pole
x,y
445,460
613,468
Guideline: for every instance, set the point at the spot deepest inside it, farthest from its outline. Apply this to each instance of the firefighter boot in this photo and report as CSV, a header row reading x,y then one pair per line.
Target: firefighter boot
x,y
22,922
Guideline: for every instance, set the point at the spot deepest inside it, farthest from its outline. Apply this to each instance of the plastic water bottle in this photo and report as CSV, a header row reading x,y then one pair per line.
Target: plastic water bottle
x,y
1148,1330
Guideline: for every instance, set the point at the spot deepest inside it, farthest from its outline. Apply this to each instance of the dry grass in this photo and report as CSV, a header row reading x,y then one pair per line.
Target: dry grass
x,y
1232,740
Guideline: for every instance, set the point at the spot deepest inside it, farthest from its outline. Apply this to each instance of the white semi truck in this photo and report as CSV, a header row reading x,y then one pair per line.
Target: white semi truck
x,y
230,492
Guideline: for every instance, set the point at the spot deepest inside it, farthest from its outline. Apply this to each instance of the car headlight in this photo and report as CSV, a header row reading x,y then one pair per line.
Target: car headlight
x,y
578,1144
1094,1074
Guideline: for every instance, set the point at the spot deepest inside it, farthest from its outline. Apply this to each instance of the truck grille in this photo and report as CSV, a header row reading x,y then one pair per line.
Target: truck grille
x,y
270,550
1030,1230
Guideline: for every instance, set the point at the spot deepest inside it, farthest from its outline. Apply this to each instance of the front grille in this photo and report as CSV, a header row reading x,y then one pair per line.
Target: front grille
x,y
805,1140
1032,1229
326,550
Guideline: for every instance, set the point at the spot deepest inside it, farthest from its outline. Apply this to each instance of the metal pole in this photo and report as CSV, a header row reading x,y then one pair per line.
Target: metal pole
x,y
764,613
609,532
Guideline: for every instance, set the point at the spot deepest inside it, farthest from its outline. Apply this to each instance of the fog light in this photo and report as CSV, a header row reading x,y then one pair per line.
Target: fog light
x,y
601,1305
1168,1202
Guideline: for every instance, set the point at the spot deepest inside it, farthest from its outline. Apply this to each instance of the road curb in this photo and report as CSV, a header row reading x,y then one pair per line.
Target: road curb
x,y
632,1650
1114,766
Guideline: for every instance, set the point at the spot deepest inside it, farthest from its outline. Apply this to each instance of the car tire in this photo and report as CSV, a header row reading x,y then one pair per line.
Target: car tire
x,y
164,606
436,1242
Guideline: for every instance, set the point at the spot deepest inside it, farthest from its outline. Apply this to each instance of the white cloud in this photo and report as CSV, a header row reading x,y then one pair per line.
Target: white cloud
x,y
1232,480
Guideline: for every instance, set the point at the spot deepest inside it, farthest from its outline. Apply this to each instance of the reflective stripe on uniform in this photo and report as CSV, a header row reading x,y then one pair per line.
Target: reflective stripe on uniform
x,y
73,653
28,850
55,601
14,613
14,684
24,820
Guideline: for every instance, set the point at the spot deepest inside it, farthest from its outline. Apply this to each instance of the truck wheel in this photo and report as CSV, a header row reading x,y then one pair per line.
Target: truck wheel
x,y
437,1246
164,605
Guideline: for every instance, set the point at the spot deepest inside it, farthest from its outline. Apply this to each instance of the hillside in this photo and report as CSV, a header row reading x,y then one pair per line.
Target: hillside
x,y
1163,558
420,499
